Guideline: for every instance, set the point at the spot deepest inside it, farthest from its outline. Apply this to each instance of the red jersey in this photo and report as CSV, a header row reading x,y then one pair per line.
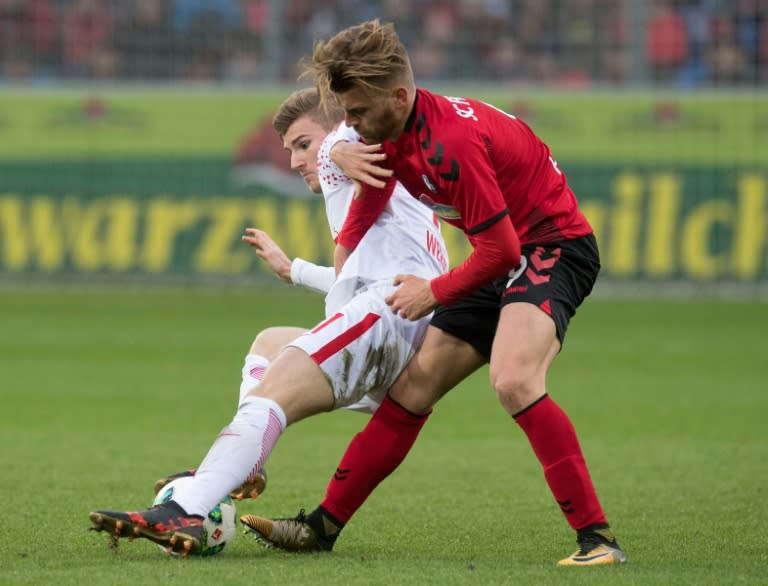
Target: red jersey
x,y
477,168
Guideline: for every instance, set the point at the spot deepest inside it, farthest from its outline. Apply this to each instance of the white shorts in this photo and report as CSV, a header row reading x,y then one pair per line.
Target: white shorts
x,y
363,348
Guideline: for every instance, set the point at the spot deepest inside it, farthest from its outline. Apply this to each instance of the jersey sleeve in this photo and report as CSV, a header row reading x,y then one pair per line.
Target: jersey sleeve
x,y
363,213
312,276
495,251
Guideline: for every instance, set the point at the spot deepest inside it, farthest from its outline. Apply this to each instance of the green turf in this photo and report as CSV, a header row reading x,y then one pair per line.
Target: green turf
x,y
104,391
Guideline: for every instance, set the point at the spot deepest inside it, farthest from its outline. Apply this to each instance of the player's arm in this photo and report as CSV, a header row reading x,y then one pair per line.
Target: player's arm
x,y
358,161
495,251
312,276
373,187
363,213
298,271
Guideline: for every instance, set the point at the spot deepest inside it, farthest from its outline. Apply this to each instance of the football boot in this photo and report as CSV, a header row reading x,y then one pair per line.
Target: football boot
x,y
166,524
597,547
293,534
253,486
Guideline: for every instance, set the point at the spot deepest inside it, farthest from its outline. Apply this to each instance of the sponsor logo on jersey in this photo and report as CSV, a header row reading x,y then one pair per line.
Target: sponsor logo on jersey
x,y
444,211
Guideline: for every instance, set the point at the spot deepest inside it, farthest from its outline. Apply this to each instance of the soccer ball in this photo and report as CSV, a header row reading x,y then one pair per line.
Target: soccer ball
x,y
219,527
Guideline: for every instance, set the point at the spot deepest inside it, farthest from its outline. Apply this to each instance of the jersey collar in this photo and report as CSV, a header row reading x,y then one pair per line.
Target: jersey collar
x,y
412,115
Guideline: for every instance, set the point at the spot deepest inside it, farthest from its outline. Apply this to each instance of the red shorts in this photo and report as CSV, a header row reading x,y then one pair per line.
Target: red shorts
x,y
556,277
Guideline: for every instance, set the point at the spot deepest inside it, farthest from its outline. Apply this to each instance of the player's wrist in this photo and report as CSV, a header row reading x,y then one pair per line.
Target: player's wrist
x,y
435,290
285,272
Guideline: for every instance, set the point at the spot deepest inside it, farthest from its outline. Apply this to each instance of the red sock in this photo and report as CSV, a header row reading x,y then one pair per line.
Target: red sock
x,y
372,455
553,439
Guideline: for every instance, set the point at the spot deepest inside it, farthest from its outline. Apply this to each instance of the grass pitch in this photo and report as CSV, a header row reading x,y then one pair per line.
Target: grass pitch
x,y
104,391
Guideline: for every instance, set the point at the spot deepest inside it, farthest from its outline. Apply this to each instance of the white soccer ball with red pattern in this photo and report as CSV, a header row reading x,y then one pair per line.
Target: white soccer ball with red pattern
x,y
220,525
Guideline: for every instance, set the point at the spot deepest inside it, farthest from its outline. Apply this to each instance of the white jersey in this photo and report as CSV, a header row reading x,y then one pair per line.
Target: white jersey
x,y
362,346
404,240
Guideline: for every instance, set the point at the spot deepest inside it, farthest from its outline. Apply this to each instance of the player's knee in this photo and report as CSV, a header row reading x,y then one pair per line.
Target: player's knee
x,y
417,399
261,343
507,384
515,388
269,341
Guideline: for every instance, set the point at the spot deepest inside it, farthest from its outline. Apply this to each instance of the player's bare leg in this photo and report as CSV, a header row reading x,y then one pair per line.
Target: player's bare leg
x,y
293,388
439,365
263,350
524,348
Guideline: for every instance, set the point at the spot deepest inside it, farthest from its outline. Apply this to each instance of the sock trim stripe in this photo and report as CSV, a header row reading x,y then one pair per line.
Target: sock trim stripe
x,y
408,412
536,402
273,431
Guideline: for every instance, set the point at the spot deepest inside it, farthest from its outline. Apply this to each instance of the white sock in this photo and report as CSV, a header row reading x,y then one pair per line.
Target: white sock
x,y
253,372
239,451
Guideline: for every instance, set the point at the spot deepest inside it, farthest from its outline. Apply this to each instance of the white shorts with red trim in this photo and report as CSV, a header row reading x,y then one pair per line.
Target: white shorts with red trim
x,y
363,347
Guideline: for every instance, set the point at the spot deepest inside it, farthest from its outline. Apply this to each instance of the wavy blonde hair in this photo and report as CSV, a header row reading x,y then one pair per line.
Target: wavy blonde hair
x,y
306,102
369,56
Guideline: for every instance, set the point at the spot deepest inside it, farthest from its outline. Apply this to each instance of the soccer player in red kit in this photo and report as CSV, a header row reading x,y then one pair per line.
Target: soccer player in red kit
x,y
509,303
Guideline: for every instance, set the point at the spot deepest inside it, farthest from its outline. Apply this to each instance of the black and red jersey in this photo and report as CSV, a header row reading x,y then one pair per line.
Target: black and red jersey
x,y
477,168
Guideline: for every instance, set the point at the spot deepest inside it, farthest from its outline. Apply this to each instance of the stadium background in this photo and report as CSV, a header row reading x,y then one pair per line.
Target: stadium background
x,y
137,141
134,147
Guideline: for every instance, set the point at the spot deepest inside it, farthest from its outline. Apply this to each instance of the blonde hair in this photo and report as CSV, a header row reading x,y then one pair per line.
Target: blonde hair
x,y
369,56
307,102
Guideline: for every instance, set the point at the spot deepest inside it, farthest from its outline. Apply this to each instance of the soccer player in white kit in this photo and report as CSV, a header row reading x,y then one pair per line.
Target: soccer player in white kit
x,y
348,360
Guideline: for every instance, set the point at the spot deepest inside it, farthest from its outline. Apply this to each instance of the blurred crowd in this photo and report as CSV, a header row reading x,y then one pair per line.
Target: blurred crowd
x,y
558,42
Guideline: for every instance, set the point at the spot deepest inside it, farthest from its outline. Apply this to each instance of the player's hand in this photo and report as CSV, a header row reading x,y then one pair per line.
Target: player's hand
x,y
359,161
340,256
267,249
413,298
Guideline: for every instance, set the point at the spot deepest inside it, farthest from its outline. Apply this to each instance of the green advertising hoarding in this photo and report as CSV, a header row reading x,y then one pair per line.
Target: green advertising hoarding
x,y
162,185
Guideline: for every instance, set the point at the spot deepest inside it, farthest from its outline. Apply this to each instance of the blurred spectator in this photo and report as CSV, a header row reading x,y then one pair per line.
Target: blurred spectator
x,y
429,61
537,30
27,37
86,35
323,22
207,15
696,69
573,42
579,37
243,62
666,41
256,15
209,25
614,54
205,65
440,23
147,47
407,15
750,19
726,64
725,58
505,61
